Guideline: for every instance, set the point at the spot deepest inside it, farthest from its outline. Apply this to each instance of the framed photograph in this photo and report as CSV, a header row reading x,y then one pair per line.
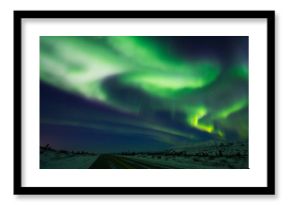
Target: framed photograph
x,y
144,102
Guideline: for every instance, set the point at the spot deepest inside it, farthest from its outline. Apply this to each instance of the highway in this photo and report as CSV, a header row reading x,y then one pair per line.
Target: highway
x,y
107,161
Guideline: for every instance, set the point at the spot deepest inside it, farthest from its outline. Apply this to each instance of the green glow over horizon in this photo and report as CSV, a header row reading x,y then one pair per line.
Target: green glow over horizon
x,y
97,67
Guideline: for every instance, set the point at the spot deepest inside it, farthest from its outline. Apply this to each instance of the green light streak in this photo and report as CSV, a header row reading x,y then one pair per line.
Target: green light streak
x,y
194,120
235,107
144,51
161,83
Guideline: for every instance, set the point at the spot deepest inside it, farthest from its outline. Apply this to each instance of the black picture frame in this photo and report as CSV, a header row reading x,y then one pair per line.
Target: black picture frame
x,y
269,189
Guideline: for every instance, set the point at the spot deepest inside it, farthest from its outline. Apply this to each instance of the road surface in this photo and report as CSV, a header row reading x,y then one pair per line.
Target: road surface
x,y
107,161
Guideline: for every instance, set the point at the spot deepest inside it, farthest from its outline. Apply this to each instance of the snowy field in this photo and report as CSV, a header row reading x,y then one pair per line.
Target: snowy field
x,y
209,155
199,156
194,162
51,159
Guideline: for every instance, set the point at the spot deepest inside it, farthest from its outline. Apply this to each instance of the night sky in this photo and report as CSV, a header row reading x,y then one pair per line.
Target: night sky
x,y
142,93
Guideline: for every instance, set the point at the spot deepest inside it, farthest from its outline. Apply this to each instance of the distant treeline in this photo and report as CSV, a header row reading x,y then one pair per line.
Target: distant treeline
x,y
49,148
222,149
213,150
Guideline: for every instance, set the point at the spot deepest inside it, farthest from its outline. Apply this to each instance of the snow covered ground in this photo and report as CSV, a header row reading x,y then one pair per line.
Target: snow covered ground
x,y
207,155
51,159
194,162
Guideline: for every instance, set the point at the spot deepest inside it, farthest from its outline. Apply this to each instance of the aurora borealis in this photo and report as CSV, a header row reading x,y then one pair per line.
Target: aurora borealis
x,y
142,93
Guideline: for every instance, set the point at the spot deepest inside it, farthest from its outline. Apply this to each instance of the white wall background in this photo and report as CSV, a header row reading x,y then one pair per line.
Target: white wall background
x,y
282,98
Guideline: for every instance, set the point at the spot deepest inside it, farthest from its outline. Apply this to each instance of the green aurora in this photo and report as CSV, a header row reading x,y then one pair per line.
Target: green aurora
x,y
140,75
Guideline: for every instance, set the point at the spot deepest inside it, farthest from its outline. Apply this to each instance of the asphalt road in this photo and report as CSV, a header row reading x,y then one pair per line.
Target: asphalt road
x,y
107,161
